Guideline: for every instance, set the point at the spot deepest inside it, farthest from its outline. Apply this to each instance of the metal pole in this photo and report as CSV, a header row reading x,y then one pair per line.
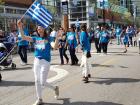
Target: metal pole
x,y
103,12
134,13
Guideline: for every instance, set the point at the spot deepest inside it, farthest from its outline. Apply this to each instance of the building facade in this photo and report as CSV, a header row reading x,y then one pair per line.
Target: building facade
x,y
82,11
11,11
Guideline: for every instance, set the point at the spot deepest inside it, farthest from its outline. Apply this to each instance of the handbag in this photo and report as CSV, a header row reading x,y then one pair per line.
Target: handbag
x,y
88,55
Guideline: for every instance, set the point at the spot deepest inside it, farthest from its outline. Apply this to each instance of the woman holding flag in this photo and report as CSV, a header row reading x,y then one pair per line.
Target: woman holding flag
x,y
43,45
42,59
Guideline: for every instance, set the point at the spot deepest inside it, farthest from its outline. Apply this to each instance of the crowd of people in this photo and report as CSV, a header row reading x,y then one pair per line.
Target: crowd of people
x,y
43,43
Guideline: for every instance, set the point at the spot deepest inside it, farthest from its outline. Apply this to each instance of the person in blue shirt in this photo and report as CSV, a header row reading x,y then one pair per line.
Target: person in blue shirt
x,y
22,47
118,32
104,39
72,44
125,39
131,33
85,45
42,59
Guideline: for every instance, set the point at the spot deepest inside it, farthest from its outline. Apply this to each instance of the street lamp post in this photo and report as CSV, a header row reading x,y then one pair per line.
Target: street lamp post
x,y
104,12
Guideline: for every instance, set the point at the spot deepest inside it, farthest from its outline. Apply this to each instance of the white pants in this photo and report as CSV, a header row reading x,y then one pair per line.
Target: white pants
x,y
85,65
41,69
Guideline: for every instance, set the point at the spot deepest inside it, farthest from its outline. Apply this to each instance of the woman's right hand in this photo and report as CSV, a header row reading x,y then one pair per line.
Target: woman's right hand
x,y
19,24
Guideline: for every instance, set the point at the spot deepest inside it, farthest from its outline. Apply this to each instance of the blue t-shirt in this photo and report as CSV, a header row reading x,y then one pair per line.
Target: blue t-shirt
x,y
42,48
118,32
126,38
23,42
84,41
71,38
104,37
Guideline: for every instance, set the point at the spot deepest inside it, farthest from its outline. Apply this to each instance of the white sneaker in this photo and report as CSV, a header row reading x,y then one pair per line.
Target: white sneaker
x,y
38,102
56,92
23,63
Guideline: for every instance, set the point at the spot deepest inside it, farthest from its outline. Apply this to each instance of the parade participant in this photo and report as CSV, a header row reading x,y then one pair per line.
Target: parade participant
x,y
131,33
23,46
125,39
72,44
42,59
118,32
53,34
85,45
104,39
97,35
62,46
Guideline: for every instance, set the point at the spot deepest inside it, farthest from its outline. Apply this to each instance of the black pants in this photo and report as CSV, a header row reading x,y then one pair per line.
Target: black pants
x,y
74,59
22,51
62,52
130,41
104,47
97,45
139,46
135,43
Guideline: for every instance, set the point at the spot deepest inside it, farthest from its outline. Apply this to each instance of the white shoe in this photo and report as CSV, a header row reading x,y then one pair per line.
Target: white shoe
x,y
38,102
56,92
23,63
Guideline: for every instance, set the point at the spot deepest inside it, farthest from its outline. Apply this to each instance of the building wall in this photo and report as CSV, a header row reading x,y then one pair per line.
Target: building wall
x,y
11,12
19,2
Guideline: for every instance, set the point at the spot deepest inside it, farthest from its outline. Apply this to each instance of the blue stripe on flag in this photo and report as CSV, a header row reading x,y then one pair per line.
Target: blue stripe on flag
x,y
40,14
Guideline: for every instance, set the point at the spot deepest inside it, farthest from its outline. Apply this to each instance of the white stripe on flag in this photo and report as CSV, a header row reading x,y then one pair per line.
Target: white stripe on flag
x,y
37,18
46,13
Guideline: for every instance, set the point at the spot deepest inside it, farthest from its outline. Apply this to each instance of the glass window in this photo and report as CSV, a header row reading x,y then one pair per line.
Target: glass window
x,y
78,10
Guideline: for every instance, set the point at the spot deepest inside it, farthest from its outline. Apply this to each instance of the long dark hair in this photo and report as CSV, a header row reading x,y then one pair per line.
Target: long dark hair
x,y
45,33
84,28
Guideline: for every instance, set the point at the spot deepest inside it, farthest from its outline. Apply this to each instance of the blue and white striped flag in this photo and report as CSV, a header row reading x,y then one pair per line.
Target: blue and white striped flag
x,y
77,24
40,14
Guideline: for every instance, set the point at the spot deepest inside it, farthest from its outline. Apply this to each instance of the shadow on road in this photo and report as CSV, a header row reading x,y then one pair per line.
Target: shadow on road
x,y
66,101
109,81
21,68
16,83
108,66
99,65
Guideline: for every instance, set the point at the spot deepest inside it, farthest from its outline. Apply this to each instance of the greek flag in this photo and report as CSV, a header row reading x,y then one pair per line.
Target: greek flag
x,y
40,14
77,24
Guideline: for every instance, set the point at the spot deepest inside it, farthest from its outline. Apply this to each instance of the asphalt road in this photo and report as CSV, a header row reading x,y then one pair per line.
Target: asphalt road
x,y
115,80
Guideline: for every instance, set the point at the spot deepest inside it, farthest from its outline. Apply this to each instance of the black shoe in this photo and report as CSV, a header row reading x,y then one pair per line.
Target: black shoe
x,y
67,61
0,78
85,79
72,64
62,63
76,62
89,75
125,51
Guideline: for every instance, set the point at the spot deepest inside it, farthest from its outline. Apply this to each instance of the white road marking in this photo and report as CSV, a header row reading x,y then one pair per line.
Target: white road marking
x,y
60,73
